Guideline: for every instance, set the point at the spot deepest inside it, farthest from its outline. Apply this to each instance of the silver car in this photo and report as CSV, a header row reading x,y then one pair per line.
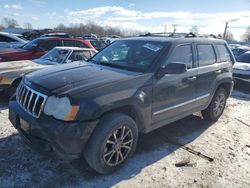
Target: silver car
x,y
11,72
8,40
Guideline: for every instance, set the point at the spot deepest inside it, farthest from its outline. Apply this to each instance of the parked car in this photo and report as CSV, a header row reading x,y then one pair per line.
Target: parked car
x,y
240,50
241,70
98,44
110,38
135,85
10,41
12,72
38,47
56,34
89,36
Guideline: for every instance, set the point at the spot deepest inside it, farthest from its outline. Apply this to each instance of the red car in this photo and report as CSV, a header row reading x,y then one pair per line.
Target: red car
x,y
38,47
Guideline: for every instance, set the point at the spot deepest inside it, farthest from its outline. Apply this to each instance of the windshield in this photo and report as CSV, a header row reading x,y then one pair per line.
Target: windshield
x,y
56,55
98,44
244,58
32,44
131,55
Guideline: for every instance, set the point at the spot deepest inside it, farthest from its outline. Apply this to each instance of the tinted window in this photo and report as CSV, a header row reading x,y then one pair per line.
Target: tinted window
x,y
81,45
182,54
223,53
3,39
6,39
206,55
49,44
79,55
245,58
70,43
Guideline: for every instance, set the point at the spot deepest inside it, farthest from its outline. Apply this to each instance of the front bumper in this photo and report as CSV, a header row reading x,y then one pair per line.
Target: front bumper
x,y
48,135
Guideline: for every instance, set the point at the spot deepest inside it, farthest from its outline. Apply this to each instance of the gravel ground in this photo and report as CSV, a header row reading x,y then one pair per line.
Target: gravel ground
x,y
227,142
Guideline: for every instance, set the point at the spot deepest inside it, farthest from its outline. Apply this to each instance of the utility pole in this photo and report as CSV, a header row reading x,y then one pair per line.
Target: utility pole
x,y
225,31
165,29
174,28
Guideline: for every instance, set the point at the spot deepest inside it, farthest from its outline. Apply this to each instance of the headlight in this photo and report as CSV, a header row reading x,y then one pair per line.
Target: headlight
x,y
60,108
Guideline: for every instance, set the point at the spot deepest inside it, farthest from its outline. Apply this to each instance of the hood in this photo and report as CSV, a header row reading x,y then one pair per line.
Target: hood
x,y
15,69
44,62
11,50
63,78
18,65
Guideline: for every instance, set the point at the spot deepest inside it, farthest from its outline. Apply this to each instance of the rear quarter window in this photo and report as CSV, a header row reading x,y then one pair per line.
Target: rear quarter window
x,y
81,45
206,55
69,43
49,44
223,54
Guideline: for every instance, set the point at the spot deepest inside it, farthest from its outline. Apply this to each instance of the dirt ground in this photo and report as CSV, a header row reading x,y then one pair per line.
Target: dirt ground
x,y
226,142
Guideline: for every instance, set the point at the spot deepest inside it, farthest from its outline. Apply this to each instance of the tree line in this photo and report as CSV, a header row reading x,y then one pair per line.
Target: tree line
x,y
77,30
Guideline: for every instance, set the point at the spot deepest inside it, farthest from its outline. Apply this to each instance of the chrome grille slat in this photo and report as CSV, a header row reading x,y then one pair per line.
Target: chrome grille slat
x,y
34,106
30,100
31,96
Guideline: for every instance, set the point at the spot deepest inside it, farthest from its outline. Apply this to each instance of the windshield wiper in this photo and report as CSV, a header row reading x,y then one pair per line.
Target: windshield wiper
x,y
102,63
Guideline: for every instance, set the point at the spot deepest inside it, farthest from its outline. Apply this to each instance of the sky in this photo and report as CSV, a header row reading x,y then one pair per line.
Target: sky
x,y
144,15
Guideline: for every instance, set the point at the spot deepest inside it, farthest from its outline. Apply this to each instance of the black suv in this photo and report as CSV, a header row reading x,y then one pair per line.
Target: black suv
x,y
133,86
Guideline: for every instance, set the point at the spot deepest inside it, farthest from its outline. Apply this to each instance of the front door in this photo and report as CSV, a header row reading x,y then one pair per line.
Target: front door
x,y
174,94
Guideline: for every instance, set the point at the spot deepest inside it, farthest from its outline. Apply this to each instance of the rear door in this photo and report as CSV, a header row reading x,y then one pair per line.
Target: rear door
x,y
174,94
207,72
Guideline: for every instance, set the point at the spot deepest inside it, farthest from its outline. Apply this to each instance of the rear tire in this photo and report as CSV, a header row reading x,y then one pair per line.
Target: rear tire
x,y
112,143
216,107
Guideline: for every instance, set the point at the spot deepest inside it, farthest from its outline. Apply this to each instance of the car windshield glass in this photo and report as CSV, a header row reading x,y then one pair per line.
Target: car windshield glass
x,y
131,55
56,55
244,58
32,44
98,44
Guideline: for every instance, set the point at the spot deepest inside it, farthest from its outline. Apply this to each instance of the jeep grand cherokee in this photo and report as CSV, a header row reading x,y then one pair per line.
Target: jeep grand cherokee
x,y
133,86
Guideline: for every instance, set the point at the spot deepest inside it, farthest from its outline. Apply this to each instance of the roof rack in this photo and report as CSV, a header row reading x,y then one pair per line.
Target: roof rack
x,y
178,35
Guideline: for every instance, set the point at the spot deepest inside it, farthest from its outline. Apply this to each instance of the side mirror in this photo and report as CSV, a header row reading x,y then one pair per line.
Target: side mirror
x,y
172,68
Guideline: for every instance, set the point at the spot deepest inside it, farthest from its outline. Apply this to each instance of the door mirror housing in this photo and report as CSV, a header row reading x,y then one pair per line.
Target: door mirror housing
x,y
172,68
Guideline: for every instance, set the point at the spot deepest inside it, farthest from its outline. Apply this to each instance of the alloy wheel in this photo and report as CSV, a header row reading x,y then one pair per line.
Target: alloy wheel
x,y
118,146
219,104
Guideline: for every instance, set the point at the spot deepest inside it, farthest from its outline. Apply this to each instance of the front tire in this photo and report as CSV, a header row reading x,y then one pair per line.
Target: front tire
x,y
217,105
112,143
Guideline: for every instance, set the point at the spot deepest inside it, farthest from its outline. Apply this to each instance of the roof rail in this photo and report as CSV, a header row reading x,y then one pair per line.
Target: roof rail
x,y
172,35
179,35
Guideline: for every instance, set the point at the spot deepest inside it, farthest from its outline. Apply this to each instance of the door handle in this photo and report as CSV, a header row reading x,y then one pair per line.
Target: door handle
x,y
218,71
192,78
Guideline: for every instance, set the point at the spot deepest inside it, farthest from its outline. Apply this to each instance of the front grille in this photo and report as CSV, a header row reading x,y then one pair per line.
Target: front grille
x,y
30,100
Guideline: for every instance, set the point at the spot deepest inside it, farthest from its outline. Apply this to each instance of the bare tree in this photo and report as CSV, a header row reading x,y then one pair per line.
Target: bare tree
x,y
246,35
1,27
27,25
195,29
9,22
78,30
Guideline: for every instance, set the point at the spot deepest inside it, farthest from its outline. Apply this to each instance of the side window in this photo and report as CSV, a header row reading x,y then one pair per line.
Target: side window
x,y
6,39
81,45
70,43
3,39
223,55
206,54
49,44
79,55
182,54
